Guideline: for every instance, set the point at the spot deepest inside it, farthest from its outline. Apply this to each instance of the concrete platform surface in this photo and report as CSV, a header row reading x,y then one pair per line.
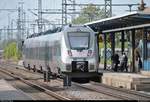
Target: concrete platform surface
x,y
146,73
127,80
8,92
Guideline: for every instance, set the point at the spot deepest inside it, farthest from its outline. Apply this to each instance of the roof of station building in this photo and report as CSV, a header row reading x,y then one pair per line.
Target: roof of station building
x,y
121,21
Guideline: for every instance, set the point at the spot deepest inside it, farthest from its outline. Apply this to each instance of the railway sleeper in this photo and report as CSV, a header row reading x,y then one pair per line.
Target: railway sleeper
x,y
48,76
29,68
34,68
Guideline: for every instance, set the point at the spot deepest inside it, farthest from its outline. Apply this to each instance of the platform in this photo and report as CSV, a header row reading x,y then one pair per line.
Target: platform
x,y
146,73
8,92
127,80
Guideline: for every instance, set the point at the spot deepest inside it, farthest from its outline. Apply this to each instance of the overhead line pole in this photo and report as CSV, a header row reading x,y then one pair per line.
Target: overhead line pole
x,y
64,11
39,16
108,8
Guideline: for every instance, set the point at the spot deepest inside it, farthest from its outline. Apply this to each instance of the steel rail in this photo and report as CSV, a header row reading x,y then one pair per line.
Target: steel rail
x,y
119,96
122,90
51,93
103,92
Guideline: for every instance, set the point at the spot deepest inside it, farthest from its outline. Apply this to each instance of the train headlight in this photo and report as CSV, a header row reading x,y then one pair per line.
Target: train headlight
x,y
68,67
89,53
91,67
69,53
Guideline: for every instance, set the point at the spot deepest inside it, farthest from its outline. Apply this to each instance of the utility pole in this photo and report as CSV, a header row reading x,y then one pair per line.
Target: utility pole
x,y
142,6
73,9
39,16
19,33
8,28
108,8
12,28
71,3
64,12
5,32
20,25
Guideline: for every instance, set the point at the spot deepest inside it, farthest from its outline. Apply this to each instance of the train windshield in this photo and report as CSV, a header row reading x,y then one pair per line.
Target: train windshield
x,y
79,40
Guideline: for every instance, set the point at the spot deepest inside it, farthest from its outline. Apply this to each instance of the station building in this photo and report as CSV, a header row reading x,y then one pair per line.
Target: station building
x,y
133,29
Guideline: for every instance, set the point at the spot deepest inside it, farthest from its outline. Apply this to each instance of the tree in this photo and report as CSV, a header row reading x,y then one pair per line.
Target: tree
x,y
88,14
11,51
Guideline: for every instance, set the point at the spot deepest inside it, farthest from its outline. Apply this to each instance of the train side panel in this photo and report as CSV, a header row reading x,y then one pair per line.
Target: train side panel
x,y
54,53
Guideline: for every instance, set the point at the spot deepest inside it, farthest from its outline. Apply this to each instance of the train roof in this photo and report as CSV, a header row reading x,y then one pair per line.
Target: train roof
x,y
50,31
40,40
55,30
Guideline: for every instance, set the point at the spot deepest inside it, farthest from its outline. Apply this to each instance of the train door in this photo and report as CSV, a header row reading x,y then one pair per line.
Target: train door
x,y
46,54
47,72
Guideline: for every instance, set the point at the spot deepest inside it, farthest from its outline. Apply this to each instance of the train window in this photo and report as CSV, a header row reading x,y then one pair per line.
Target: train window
x,y
50,53
79,40
42,51
57,50
38,53
54,50
35,53
27,52
31,53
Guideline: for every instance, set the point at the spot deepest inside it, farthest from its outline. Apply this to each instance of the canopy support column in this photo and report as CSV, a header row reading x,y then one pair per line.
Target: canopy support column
x,y
122,41
133,50
113,43
105,51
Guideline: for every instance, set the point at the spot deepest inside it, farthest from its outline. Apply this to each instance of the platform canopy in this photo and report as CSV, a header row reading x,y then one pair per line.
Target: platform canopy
x,y
131,19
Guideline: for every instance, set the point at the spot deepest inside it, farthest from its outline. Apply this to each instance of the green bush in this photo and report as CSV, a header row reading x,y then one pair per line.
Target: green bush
x,y
11,51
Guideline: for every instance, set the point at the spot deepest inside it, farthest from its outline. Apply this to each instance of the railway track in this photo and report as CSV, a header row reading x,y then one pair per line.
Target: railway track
x,y
34,85
129,93
118,93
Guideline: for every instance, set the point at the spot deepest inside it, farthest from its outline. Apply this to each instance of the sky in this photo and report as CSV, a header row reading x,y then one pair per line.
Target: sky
x,y
53,4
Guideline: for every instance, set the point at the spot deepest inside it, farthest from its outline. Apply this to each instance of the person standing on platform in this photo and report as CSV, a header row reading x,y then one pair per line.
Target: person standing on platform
x,y
113,61
126,63
123,63
116,61
138,61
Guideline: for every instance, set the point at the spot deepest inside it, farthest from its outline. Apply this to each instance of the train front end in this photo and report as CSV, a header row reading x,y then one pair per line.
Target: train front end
x,y
79,52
